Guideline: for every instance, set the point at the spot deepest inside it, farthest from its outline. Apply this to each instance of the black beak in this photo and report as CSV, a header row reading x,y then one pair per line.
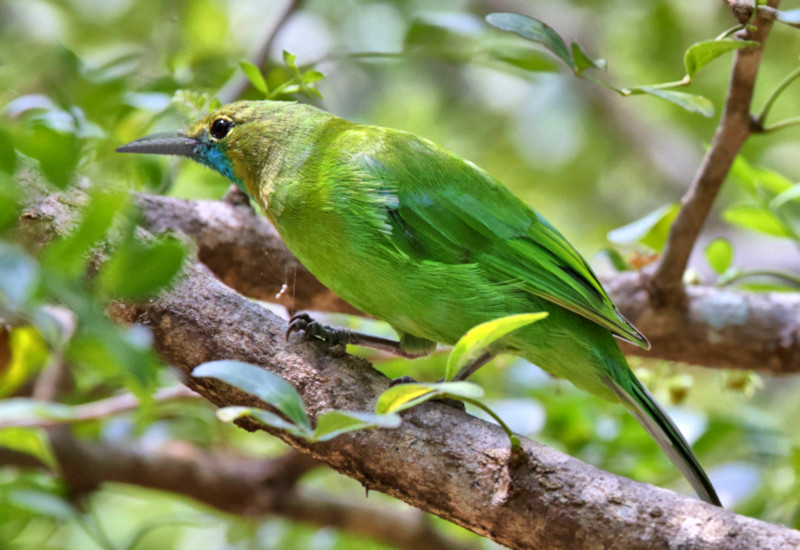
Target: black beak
x,y
162,144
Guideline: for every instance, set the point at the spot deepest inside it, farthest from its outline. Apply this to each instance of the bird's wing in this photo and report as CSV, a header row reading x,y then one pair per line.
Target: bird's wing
x,y
448,210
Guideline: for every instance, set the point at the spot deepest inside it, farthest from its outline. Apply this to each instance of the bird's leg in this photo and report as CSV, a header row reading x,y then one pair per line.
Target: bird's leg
x,y
342,336
470,368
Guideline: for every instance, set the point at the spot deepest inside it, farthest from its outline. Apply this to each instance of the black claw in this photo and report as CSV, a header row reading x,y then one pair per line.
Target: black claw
x,y
299,322
302,322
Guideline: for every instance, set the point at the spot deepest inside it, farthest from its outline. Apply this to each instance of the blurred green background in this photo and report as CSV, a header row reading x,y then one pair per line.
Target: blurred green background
x,y
80,77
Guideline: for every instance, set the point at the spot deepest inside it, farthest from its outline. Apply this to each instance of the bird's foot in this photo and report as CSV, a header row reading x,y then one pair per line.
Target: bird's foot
x,y
336,338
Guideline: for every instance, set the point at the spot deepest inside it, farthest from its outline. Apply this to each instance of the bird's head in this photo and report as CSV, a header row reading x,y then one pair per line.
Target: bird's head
x,y
235,140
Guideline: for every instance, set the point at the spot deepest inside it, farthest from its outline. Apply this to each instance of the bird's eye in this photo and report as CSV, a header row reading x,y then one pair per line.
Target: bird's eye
x,y
220,128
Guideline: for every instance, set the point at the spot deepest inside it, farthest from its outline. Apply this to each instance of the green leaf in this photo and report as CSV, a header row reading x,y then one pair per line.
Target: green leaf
x,y
11,197
229,414
470,346
254,75
757,219
702,53
57,152
719,254
289,60
791,194
29,355
405,396
32,441
138,270
335,423
68,255
652,230
268,387
691,102
534,30
19,276
46,504
583,61
616,259
757,180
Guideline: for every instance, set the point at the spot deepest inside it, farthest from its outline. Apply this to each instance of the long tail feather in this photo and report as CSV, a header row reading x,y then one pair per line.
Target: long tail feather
x,y
663,430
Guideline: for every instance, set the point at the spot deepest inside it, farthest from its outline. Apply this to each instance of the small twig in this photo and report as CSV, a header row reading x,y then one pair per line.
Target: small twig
x,y
794,121
102,409
787,277
734,128
791,77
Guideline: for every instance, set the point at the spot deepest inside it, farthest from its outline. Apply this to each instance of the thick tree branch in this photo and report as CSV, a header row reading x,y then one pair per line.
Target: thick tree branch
x,y
440,460
734,128
718,328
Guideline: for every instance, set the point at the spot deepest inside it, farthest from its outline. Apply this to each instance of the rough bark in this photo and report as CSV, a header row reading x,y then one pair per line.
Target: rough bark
x,y
718,327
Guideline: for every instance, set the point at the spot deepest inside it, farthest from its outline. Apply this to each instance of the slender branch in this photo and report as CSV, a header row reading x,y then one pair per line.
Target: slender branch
x,y
743,9
245,487
794,121
101,409
733,130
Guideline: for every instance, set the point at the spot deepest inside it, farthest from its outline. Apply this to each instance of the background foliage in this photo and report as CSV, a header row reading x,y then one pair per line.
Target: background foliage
x,y
79,77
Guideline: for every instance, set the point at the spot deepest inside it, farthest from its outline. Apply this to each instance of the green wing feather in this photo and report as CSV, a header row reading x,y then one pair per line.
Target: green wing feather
x,y
449,210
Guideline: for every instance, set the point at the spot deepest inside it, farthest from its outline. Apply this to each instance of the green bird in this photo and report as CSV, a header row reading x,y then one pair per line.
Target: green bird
x,y
416,236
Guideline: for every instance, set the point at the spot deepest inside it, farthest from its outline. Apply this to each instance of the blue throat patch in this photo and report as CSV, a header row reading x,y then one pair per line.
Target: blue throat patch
x,y
218,161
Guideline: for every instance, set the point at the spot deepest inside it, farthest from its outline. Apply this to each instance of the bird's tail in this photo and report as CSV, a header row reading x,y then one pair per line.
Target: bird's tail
x,y
663,430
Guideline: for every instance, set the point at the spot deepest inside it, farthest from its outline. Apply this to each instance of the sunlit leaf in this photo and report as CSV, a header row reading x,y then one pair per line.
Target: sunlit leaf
x,y
405,396
757,219
476,341
534,30
270,388
691,102
791,194
57,152
652,230
254,75
702,53
719,254
29,354
335,423
32,441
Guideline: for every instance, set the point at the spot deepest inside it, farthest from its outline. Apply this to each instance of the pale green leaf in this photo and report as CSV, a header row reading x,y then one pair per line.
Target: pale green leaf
x,y
254,75
32,441
229,414
702,53
268,387
757,219
652,230
691,102
470,346
46,504
534,30
791,194
719,254
335,423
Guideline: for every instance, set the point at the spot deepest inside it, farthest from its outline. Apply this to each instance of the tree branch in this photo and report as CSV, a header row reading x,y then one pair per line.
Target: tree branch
x,y
718,328
236,485
734,128
462,469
